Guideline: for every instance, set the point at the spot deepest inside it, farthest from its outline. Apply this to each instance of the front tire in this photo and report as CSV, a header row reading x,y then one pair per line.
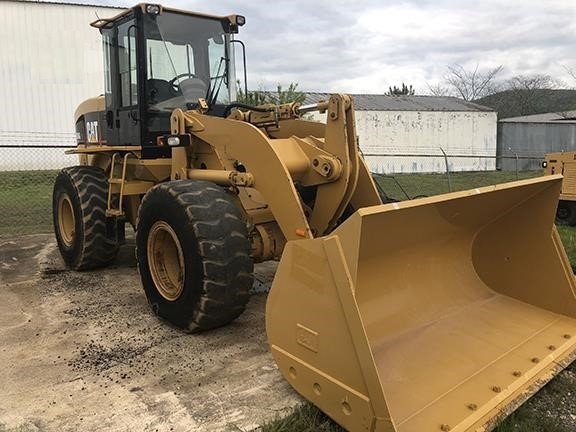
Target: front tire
x,y
193,254
566,213
79,202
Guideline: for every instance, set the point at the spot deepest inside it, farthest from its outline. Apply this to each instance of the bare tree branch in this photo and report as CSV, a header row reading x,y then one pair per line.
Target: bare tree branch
x,y
472,84
438,90
532,82
525,92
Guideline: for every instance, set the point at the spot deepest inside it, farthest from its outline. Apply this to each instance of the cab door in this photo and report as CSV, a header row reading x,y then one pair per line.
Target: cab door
x,y
123,118
128,111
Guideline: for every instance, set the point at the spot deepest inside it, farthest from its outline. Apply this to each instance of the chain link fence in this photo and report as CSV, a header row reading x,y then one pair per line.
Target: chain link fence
x,y
27,175
403,177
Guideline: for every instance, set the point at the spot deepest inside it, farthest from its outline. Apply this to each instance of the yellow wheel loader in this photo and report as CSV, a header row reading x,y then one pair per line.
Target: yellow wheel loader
x,y
440,314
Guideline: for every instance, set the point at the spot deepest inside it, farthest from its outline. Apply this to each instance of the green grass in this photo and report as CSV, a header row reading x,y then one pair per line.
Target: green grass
x,y
26,202
568,236
305,418
408,186
26,206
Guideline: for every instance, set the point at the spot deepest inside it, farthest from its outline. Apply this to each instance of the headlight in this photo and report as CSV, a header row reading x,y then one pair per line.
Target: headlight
x,y
544,164
153,9
173,141
240,20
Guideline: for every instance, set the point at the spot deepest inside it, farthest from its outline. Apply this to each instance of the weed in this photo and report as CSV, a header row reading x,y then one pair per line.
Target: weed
x,y
304,418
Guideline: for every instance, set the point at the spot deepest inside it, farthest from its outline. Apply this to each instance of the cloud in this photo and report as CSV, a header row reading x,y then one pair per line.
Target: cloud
x,y
368,45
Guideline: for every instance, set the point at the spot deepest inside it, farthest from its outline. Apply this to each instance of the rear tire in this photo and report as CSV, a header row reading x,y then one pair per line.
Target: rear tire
x,y
79,202
193,254
566,213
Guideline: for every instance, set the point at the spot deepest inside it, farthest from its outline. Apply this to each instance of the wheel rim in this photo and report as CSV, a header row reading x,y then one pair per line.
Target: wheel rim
x,y
166,261
66,220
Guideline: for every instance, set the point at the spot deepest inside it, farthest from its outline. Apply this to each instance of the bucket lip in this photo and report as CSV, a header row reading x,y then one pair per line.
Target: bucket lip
x,y
489,418
553,179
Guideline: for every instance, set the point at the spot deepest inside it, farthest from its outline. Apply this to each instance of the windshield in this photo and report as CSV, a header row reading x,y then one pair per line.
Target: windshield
x,y
186,60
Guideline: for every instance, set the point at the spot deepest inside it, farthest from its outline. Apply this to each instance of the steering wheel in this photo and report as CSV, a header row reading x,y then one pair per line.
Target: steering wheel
x,y
175,86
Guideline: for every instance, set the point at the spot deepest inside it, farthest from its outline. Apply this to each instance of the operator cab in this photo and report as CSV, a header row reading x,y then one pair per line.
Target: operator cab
x,y
157,59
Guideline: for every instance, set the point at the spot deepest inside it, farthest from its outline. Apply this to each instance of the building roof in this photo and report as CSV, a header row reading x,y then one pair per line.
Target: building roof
x,y
563,117
70,3
377,102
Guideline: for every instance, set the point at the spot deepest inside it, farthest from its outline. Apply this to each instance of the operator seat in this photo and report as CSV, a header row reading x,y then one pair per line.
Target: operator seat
x,y
193,89
158,90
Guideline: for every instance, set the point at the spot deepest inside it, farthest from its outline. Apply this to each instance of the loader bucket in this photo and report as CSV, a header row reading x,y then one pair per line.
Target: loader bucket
x,y
438,314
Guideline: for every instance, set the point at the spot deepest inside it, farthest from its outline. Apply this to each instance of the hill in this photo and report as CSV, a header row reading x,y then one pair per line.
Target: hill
x,y
515,103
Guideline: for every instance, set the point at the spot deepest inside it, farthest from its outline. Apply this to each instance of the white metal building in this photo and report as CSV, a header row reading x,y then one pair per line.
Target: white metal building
x,y
419,128
51,60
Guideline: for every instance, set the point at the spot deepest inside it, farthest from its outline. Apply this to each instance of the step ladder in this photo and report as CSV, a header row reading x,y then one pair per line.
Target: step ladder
x,y
119,187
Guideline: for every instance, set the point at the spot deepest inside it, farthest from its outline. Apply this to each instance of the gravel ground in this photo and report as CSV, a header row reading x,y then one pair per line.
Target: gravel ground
x,y
552,409
82,351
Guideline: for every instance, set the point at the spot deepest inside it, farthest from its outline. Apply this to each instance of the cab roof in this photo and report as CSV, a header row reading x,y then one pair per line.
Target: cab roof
x,y
102,23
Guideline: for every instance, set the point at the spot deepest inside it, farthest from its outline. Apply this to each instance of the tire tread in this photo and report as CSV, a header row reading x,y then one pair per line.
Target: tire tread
x,y
223,246
91,187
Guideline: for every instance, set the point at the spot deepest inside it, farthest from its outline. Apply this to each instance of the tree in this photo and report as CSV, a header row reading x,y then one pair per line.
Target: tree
x,y
404,91
291,94
531,82
262,97
472,84
252,97
530,94
525,92
438,90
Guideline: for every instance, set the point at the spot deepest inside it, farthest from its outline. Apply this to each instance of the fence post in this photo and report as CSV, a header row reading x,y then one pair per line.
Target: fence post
x,y
447,170
515,161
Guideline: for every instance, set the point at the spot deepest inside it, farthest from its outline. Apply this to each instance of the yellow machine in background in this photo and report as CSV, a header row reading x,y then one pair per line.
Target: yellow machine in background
x,y
564,163
438,314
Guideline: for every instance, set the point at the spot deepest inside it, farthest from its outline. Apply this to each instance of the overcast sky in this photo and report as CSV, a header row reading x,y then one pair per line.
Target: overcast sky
x,y
365,46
